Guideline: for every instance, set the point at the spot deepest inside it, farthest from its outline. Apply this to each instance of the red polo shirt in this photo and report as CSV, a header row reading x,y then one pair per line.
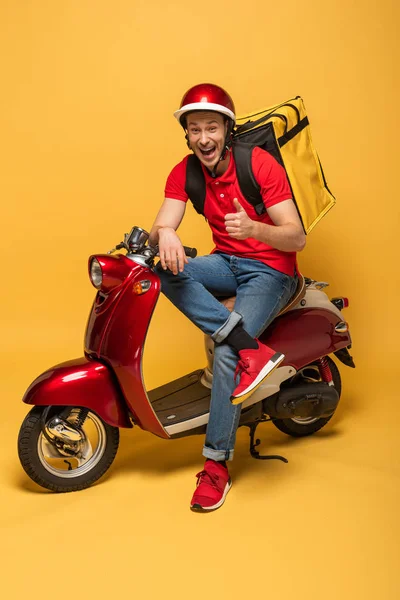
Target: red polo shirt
x,y
220,193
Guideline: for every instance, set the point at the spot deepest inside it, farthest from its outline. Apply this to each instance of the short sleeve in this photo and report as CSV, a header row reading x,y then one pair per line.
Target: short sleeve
x,y
271,177
175,186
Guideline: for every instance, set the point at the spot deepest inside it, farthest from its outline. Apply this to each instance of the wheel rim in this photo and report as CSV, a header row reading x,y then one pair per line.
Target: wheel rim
x,y
309,373
305,420
92,450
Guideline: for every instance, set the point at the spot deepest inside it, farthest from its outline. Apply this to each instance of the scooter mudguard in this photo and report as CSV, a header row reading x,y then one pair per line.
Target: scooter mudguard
x,y
305,335
84,383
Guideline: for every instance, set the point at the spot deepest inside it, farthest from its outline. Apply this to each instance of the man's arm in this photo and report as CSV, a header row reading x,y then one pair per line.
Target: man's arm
x,y
163,233
286,234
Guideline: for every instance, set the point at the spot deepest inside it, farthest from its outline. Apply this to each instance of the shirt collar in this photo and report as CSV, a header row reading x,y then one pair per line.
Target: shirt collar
x,y
228,177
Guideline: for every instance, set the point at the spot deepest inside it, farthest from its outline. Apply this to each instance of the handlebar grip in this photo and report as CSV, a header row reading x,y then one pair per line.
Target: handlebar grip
x,y
192,252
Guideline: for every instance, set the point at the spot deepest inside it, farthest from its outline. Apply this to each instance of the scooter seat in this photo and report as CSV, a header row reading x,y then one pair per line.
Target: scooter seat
x,y
295,299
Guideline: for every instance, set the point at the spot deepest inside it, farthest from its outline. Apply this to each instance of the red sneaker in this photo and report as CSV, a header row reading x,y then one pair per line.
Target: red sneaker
x,y
213,484
254,366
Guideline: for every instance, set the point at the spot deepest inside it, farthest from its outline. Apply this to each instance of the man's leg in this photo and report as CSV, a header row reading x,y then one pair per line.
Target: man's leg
x,y
261,294
193,292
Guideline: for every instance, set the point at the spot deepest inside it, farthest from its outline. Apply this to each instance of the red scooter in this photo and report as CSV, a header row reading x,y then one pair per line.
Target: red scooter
x,y
71,436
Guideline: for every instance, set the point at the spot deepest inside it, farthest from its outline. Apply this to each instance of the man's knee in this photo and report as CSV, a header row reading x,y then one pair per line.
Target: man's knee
x,y
165,275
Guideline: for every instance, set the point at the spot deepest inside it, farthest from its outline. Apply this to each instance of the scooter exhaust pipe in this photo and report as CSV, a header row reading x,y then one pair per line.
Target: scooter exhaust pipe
x,y
305,400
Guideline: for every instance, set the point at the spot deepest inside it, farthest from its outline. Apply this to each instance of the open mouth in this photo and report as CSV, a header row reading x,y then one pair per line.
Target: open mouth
x,y
209,152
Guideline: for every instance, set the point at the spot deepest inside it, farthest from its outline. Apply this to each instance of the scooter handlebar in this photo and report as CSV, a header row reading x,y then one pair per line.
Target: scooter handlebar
x,y
191,252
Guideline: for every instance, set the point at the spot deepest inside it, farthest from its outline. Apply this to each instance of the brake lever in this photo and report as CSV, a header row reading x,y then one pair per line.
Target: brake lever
x,y
117,247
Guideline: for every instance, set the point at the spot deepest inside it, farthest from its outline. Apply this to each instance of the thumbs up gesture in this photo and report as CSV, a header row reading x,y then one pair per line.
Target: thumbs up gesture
x,y
238,224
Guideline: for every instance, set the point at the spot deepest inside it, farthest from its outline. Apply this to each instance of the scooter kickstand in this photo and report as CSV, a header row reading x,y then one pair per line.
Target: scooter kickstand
x,y
253,444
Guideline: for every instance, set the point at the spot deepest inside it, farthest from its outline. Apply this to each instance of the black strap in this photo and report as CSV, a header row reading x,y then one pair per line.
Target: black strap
x,y
242,154
289,135
195,185
252,125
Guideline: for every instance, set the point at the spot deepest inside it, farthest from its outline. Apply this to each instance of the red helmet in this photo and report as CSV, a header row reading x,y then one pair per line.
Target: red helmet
x,y
206,96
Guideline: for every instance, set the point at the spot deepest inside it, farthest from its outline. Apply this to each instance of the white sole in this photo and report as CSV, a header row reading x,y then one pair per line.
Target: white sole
x,y
265,371
198,508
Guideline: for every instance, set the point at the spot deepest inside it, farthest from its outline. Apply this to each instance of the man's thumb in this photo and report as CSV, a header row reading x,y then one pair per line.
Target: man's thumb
x,y
237,205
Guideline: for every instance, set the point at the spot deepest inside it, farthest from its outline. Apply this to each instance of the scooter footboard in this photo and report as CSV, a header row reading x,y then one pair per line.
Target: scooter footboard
x,y
84,383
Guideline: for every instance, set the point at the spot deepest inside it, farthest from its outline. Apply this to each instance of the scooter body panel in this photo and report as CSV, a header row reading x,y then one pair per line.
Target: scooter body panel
x,y
105,303
116,334
305,335
84,383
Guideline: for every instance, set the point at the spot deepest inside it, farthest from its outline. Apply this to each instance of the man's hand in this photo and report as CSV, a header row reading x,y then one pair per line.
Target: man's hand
x,y
238,224
172,254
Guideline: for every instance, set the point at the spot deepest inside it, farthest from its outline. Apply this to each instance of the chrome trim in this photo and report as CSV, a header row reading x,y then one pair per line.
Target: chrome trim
x,y
305,420
136,238
84,454
341,327
320,285
140,259
96,273
60,429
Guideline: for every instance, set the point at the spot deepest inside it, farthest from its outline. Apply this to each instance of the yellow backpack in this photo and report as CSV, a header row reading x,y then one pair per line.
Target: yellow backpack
x,y
284,132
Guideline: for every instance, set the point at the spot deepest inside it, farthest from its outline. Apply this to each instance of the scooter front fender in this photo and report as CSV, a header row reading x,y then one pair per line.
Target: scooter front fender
x,y
80,382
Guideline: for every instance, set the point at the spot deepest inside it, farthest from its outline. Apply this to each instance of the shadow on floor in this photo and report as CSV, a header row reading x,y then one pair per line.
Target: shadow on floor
x,y
143,452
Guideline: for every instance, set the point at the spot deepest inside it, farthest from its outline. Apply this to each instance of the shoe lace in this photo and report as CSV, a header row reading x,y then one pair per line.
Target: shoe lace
x,y
210,478
242,365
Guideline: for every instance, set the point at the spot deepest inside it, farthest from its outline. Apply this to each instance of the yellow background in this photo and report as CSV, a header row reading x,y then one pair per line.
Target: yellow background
x,y
87,140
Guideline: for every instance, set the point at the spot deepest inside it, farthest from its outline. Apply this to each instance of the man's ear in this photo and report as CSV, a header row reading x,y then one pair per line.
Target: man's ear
x,y
187,141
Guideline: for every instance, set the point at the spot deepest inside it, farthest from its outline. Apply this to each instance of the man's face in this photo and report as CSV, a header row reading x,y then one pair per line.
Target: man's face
x,y
206,134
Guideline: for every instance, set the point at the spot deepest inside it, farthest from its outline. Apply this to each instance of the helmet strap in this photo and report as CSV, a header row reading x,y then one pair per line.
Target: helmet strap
x,y
225,150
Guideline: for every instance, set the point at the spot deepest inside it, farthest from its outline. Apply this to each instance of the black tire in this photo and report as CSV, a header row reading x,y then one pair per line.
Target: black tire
x,y
31,437
298,429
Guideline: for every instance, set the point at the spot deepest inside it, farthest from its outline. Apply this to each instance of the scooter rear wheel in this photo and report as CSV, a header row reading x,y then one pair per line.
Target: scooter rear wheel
x,y
298,427
66,467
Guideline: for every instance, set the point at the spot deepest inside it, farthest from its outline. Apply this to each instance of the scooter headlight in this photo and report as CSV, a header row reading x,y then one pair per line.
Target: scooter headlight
x,y
96,274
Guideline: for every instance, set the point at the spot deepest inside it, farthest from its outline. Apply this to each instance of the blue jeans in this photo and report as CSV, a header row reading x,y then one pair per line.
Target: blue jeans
x,y
261,292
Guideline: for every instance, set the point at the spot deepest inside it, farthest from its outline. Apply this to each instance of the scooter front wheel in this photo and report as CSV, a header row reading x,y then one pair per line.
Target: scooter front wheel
x,y
66,455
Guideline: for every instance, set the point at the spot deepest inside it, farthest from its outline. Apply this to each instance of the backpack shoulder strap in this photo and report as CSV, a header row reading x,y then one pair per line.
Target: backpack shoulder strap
x,y
195,185
242,154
